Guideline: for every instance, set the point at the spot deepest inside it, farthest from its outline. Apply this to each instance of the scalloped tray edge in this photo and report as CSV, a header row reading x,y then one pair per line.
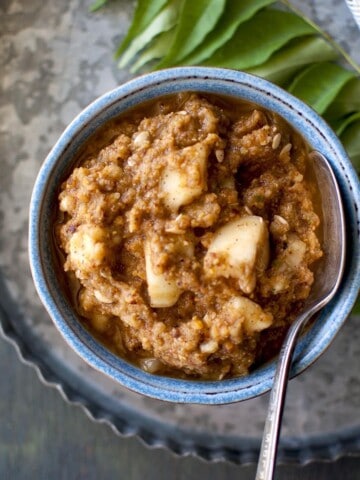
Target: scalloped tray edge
x,y
303,456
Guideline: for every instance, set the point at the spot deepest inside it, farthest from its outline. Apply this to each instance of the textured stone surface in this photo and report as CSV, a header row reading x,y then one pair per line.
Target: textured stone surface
x,y
55,58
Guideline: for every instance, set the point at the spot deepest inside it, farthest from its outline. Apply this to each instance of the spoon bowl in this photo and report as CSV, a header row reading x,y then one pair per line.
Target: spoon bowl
x,y
327,281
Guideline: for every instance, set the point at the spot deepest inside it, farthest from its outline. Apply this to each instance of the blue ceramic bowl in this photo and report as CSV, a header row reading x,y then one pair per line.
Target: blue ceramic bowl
x,y
44,198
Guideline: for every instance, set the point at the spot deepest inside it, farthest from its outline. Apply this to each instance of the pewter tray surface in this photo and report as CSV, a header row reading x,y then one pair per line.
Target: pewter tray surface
x,y
55,57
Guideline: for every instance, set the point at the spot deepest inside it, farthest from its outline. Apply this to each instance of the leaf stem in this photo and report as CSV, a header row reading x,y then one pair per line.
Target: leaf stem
x,y
324,34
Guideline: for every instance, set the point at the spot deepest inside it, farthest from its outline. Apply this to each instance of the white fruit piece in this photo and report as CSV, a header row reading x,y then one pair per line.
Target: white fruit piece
x,y
239,249
249,313
294,253
162,292
87,247
184,178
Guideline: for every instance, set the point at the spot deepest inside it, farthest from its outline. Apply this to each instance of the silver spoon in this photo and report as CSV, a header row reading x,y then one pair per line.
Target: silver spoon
x,y
327,281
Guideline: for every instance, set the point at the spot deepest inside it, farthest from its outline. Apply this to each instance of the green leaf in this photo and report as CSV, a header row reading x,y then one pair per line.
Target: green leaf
x,y
351,141
347,101
145,12
163,22
156,50
356,309
298,53
258,39
197,19
340,125
236,12
319,84
342,53
97,5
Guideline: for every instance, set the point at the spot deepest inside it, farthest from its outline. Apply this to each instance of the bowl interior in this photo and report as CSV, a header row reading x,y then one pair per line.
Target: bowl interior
x,y
57,165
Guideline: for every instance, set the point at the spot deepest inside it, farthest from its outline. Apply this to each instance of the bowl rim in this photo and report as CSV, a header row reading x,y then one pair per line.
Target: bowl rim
x,y
166,388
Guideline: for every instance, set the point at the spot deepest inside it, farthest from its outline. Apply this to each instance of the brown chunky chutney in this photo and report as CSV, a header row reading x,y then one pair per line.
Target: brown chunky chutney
x,y
189,226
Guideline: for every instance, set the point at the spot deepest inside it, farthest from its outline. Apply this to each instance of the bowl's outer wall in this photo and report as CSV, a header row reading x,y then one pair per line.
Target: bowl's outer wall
x,y
58,164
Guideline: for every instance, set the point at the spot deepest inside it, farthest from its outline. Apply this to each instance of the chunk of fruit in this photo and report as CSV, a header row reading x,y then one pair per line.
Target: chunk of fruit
x,y
183,180
162,291
239,249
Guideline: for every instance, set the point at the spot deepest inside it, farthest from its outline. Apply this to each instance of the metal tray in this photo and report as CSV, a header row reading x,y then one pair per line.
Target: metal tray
x,y
55,58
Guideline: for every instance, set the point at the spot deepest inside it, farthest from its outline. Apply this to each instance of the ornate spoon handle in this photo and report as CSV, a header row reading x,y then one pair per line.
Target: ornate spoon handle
x,y
269,445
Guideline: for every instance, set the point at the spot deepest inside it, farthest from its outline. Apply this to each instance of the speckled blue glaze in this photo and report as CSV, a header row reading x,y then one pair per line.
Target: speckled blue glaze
x,y
58,164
